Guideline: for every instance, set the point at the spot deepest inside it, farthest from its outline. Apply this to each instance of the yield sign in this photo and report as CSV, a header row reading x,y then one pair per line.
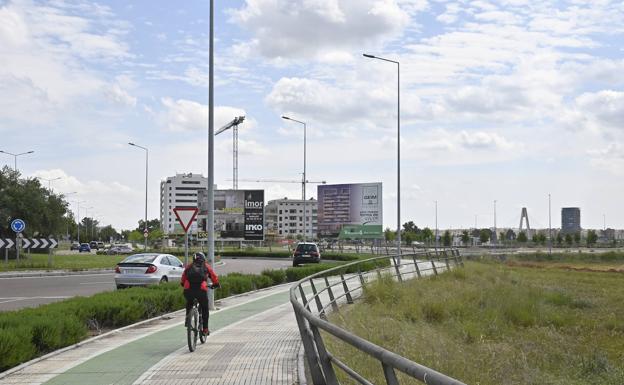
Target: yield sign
x,y
185,216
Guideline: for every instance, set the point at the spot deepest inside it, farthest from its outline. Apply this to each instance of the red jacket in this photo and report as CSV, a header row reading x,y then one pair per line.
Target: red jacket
x,y
204,285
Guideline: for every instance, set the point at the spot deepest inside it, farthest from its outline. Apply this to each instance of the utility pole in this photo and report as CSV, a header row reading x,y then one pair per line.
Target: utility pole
x,y
495,237
549,228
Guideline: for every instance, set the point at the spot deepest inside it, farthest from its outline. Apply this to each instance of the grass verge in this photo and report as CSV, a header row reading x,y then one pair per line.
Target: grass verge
x,y
495,324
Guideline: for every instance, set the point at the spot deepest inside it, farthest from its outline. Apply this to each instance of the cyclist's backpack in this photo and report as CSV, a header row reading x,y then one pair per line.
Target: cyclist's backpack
x,y
196,274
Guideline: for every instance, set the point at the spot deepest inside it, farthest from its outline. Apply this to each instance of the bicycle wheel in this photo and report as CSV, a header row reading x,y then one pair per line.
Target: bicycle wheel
x,y
192,329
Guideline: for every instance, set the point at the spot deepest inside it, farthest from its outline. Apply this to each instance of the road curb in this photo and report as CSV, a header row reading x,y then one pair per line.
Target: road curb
x,y
52,273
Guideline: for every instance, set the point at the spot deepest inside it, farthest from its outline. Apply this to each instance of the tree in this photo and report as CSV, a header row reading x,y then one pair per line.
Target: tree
x,y
559,239
152,225
484,235
568,239
389,235
135,236
501,236
427,234
577,238
465,238
408,237
41,209
108,232
592,237
522,237
410,227
446,238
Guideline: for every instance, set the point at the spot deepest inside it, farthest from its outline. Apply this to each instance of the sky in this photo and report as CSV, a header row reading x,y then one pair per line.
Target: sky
x,y
504,101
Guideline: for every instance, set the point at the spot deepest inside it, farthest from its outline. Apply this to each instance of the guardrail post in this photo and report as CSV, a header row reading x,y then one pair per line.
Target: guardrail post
x,y
459,258
331,295
361,277
446,260
303,298
391,378
416,265
398,270
310,351
346,289
435,270
326,365
319,305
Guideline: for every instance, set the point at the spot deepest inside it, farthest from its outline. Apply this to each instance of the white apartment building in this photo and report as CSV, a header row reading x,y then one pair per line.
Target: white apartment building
x,y
284,217
178,191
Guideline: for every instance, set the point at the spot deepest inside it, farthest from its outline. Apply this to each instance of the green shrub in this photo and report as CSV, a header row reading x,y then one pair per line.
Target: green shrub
x,y
15,347
277,276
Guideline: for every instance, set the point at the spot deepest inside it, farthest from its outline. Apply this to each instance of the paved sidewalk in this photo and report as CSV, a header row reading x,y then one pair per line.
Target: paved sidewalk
x,y
254,340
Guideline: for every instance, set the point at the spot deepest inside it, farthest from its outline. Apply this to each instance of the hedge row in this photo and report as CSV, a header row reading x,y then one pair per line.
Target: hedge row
x,y
28,333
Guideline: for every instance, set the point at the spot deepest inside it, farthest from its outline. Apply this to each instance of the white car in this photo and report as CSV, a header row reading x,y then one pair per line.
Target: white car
x,y
147,269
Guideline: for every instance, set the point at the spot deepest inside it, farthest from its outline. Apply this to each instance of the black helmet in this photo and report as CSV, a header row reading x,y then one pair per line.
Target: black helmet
x,y
199,258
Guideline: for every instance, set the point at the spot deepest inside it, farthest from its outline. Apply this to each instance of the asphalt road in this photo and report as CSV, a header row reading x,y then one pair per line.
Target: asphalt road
x,y
17,293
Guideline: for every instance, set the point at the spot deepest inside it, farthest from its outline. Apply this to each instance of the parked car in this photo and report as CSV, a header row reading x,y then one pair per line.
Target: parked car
x,y
93,245
119,250
74,246
100,245
84,247
306,252
146,269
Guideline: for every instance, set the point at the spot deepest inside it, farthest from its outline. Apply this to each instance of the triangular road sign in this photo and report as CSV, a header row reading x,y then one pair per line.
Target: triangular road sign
x,y
185,216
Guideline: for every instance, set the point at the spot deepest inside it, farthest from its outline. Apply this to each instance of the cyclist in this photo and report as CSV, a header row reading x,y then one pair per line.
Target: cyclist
x,y
194,281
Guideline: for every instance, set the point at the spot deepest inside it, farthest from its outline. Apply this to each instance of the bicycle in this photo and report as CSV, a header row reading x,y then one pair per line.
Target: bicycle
x,y
194,325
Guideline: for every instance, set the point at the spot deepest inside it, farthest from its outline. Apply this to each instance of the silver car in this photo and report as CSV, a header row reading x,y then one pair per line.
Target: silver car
x,y
146,269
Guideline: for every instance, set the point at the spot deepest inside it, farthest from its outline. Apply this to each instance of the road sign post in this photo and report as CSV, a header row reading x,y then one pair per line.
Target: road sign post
x,y
185,216
17,225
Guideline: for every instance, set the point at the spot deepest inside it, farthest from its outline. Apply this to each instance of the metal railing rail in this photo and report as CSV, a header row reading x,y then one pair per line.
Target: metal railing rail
x,y
337,287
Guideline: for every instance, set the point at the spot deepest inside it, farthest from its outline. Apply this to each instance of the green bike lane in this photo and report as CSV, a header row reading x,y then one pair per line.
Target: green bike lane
x,y
125,363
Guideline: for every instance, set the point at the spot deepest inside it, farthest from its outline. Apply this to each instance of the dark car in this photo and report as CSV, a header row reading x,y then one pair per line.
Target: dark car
x,y
93,245
306,253
119,250
84,247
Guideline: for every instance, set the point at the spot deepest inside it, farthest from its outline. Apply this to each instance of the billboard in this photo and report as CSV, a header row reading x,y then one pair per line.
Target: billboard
x,y
350,211
238,214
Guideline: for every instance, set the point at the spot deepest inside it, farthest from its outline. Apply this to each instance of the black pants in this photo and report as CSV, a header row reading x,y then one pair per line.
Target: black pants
x,y
202,298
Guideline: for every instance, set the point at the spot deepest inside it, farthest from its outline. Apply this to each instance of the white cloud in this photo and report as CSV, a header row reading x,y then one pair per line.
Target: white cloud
x,y
187,115
483,140
307,29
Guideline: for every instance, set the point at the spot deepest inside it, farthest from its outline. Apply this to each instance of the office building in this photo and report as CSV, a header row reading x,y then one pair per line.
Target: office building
x,y
284,217
570,220
178,191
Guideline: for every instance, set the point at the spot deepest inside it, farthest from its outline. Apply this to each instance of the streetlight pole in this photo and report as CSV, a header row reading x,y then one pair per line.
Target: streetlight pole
x,y
87,216
304,175
64,195
398,148
15,157
146,173
78,216
549,228
436,225
210,217
50,180
495,235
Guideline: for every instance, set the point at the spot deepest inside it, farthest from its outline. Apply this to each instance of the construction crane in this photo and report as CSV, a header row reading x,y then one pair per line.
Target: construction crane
x,y
284,181
234,126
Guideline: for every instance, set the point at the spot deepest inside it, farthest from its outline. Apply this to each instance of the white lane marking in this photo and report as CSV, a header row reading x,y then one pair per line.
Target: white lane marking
x,y
96,283
11,300
59,276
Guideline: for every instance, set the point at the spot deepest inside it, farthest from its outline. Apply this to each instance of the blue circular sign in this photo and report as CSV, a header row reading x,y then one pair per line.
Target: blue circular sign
x,y
18,225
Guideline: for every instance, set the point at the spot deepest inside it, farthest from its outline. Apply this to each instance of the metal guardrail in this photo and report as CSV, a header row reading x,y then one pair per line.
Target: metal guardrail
x,y
343,287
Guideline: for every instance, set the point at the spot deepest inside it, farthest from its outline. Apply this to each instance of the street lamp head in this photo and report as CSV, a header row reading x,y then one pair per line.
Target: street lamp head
x,y
132,144
285,117
369,56
30,152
